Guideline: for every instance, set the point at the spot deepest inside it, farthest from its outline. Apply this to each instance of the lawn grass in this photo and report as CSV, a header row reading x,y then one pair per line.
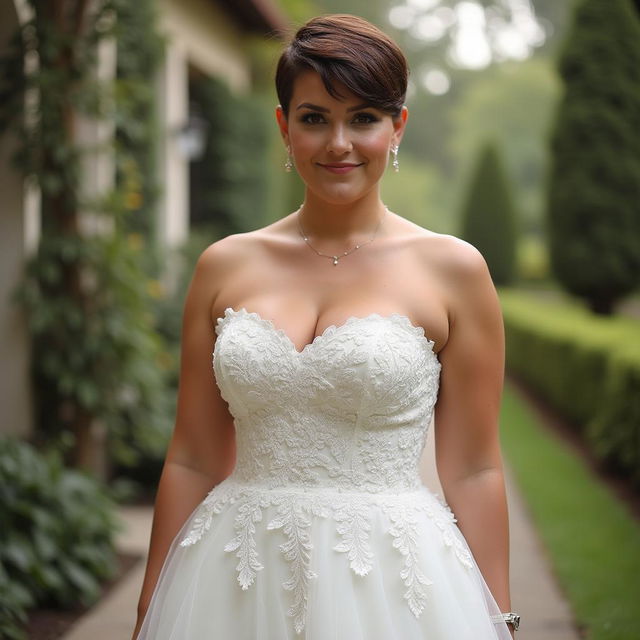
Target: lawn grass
x,y
592,539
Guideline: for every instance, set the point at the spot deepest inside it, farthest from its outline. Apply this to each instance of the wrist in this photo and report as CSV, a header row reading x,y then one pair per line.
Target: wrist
x,y
512,619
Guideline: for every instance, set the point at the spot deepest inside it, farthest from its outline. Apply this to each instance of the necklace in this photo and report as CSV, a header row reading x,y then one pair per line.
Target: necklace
x,y
345,253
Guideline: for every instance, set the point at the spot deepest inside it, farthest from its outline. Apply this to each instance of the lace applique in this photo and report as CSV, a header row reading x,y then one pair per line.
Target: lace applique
x,y
293,518
249,513
444,519
352,523
351,410
333,431
352,514
214,503
405,540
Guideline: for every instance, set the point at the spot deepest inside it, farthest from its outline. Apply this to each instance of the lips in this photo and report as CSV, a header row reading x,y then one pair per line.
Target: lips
x,y
339,167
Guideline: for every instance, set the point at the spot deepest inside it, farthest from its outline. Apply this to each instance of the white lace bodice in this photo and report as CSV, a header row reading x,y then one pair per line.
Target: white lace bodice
x,y
333,431
350,411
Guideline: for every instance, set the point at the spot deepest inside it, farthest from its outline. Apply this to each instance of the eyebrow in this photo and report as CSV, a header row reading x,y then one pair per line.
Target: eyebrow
x,y
315,107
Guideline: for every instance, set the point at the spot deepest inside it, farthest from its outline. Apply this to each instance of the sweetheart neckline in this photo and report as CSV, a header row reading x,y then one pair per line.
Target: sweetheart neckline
x,y
404,320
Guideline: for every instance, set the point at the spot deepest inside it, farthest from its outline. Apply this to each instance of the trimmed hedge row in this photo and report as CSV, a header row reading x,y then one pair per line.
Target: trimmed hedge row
x,y
587,367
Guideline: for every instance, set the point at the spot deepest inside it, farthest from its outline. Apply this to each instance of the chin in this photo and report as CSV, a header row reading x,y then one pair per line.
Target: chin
x,y
341,196
338,198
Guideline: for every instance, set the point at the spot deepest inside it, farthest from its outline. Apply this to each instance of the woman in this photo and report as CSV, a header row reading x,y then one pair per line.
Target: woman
x,y
301,457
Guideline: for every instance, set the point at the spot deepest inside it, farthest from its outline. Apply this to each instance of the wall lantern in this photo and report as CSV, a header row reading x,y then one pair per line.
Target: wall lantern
x,y
192,136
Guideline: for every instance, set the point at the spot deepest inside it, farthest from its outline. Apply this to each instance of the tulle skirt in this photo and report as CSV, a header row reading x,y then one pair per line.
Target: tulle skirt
x,y
269,578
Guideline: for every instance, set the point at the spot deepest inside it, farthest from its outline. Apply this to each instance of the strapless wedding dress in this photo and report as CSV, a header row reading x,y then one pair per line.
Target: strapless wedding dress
x,y
324,530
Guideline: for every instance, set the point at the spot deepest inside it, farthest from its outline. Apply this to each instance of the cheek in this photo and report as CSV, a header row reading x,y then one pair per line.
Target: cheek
x,y
304,145
377,143
303,141
377,147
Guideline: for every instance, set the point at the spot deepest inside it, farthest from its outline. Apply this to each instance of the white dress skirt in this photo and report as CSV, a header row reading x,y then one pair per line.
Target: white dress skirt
x,y
324,530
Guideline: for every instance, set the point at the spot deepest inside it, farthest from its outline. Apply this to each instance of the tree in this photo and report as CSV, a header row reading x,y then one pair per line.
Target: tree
x,y
488,215
593,211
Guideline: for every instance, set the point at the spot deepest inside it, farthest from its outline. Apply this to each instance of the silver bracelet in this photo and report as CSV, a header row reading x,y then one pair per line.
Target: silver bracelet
x,y
508,618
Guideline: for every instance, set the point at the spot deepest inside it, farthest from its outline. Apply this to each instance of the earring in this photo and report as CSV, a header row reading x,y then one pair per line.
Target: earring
x,y
288,165
395,163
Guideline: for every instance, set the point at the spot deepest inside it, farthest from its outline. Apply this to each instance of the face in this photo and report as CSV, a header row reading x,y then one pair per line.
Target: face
x,y
340,147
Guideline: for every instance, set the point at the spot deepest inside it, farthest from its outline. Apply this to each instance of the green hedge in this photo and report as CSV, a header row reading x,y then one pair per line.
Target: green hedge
x,y
587,367
56,536
615,430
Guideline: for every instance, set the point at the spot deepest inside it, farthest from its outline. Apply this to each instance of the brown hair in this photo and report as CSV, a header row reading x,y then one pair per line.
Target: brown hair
x,y
348,50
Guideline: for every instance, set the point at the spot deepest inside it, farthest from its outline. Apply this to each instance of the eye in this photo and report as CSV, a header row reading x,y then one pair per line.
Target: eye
x,y
312,118
364,118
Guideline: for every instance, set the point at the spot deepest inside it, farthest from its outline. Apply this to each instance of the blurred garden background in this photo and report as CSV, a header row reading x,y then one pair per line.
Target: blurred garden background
x,y
134,134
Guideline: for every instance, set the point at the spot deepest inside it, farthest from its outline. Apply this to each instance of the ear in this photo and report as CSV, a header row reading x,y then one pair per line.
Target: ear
x,y
283,125
399,124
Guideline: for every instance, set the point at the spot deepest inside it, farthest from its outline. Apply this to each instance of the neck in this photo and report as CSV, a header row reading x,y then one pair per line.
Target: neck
x,y
340,222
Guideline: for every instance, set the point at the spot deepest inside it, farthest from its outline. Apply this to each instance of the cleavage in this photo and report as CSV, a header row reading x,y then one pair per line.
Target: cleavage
x,y
318,333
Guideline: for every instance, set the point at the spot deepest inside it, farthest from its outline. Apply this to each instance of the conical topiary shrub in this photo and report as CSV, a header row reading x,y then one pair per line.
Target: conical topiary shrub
x,y
594,181
488,215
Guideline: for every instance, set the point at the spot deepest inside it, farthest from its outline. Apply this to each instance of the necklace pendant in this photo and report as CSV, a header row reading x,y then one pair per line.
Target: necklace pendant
x,y
335,259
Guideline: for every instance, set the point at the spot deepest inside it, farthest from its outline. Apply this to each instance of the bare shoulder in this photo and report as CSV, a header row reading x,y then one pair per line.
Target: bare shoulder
x,y
451,257
223,257
459,271
217,264
455,263
227,252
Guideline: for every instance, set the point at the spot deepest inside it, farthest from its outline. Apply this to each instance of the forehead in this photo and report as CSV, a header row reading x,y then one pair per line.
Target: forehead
x,y
308,87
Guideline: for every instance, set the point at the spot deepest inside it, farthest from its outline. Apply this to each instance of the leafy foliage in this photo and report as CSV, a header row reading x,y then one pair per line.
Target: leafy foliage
x,y
56,540
102,356
229,183
97,360
488,216
594,190
139,50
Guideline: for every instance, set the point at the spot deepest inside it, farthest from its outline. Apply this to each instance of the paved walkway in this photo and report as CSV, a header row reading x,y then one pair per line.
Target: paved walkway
x,y
535,595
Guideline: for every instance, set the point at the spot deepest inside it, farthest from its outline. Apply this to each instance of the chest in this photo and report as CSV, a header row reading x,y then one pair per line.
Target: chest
x,y
369,360
303,304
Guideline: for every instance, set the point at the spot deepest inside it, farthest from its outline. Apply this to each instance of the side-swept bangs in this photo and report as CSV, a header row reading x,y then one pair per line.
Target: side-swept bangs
x,y
349,51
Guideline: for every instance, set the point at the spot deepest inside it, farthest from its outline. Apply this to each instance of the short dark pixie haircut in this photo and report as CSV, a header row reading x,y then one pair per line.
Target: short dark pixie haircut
x,y
348,50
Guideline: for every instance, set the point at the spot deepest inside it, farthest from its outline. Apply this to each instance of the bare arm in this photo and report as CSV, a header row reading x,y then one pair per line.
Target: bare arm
x,y
467,412
202,450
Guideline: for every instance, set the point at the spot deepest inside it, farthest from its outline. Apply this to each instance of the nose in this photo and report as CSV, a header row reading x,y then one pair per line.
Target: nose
x,y
339,142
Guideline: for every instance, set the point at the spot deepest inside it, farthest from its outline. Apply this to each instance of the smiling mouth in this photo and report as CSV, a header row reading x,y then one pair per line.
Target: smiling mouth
x,y
339,167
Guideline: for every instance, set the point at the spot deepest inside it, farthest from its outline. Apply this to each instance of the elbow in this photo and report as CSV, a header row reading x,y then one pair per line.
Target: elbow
x,y
470,474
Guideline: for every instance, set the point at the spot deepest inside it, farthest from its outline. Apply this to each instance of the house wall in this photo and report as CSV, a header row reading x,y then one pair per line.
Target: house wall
x,y
210,40
198,35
